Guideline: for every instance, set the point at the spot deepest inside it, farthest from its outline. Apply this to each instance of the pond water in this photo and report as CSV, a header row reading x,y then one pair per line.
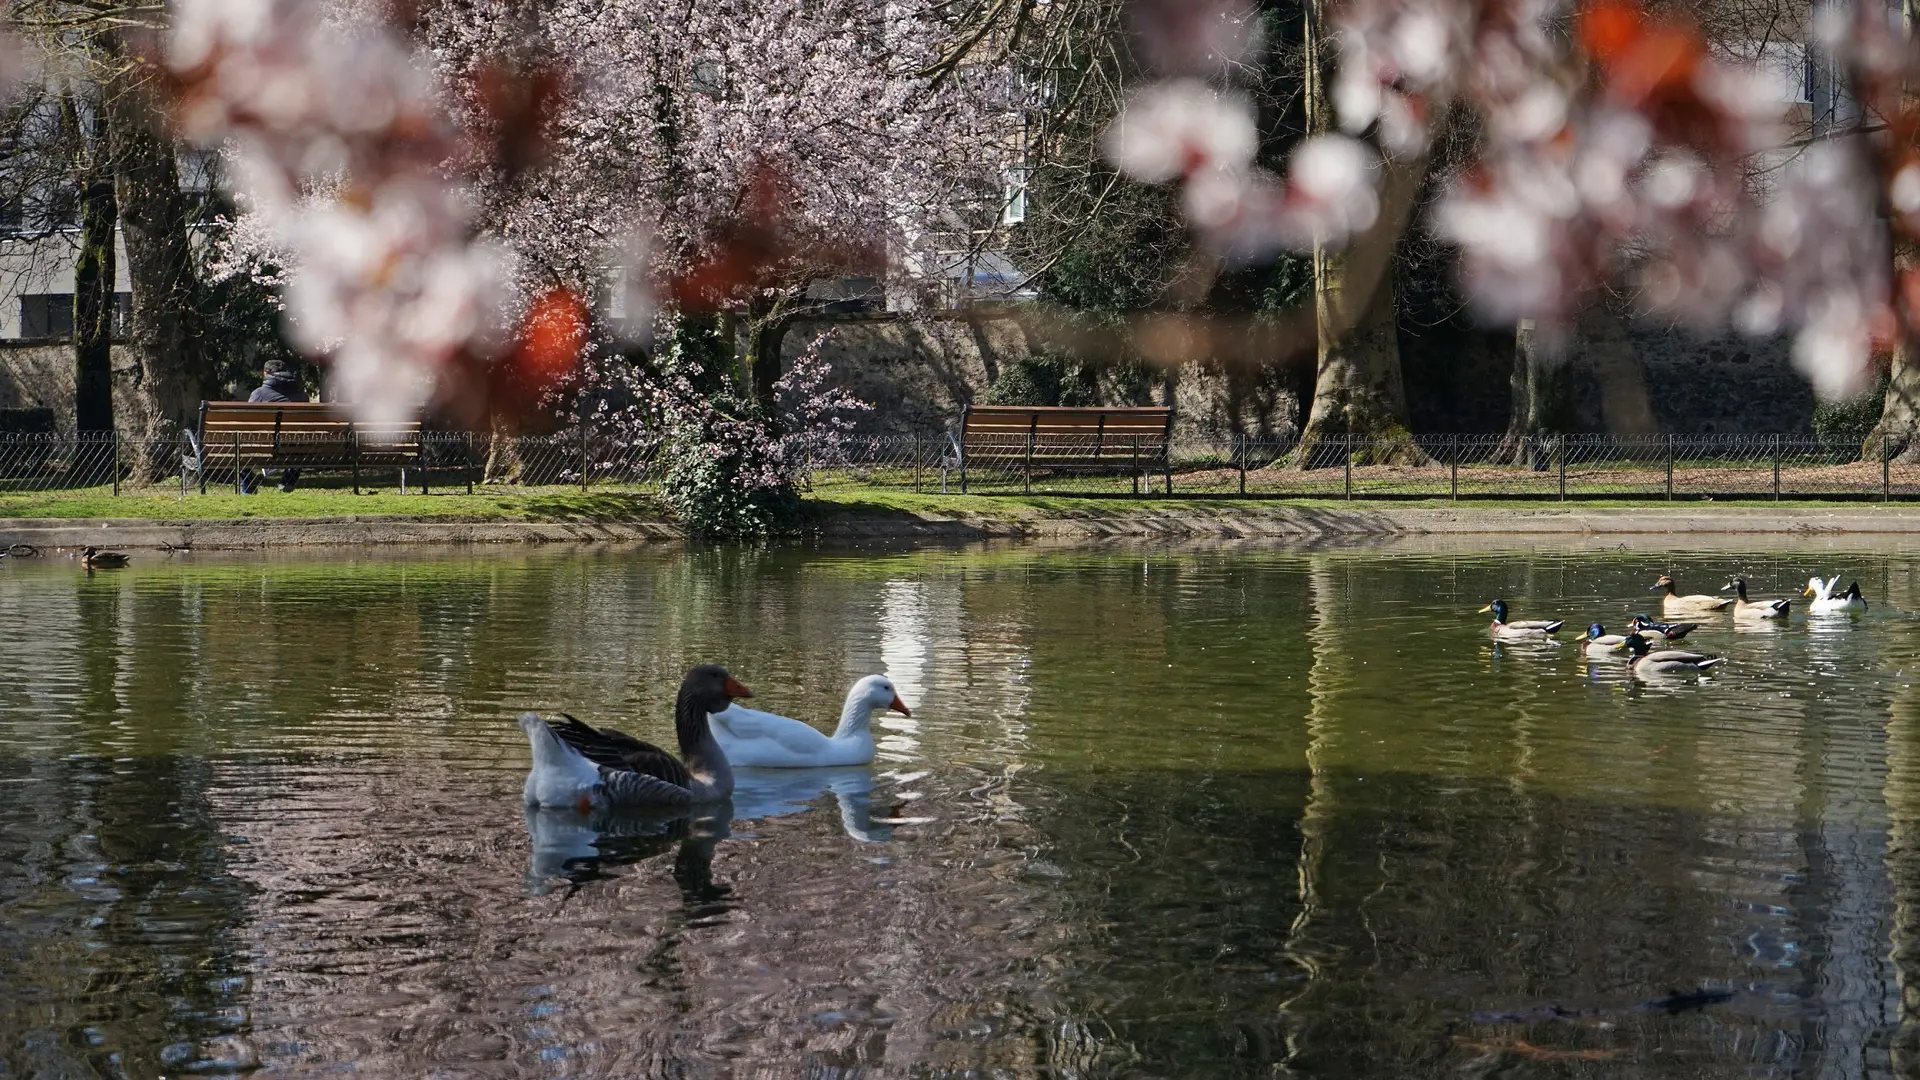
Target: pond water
x,y
1158,813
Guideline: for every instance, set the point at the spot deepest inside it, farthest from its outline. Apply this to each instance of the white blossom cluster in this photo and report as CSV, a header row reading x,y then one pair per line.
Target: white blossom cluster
x,y
339,140
1182,128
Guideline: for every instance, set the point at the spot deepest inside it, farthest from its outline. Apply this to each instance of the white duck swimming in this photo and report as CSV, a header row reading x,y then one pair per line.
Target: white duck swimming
x,y
752,738
585,768
1826,600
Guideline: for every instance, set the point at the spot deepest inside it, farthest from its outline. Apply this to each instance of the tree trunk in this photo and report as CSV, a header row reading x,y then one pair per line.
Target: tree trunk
x,y
165,336
93,279
1625,406
1357,387
1542,397
767,324
1900,415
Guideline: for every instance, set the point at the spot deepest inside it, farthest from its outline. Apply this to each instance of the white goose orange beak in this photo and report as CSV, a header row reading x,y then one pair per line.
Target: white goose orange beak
x,y
899,706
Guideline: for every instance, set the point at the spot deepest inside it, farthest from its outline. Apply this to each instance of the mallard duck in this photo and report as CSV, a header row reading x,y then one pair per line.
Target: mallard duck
x,y
1825,601
768,740
585,768
1672,631
1648,661
1524,630
1602,645
1744,608
94,559
1672,601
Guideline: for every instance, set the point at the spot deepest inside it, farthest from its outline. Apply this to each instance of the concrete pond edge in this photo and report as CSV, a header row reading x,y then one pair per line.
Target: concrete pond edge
x,y
1171,522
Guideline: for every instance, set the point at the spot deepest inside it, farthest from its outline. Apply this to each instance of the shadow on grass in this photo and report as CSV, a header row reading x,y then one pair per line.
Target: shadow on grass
x,y
593,507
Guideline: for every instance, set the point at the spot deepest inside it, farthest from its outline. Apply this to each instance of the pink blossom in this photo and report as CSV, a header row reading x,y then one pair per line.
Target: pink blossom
x,y
1171,129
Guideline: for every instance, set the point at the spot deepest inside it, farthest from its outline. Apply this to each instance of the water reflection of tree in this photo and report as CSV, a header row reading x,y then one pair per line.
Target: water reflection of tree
x,y
133,948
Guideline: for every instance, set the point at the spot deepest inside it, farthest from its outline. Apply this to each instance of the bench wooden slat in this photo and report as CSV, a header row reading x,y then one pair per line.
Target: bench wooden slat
x,y
1065,439
300,435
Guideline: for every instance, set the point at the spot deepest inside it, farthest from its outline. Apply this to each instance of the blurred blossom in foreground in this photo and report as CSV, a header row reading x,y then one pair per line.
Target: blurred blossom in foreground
x,y
1633,156
1199,37
1184,130
338,142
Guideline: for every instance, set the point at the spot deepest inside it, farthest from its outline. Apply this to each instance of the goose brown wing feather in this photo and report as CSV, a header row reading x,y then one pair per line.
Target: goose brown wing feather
x,y
621,752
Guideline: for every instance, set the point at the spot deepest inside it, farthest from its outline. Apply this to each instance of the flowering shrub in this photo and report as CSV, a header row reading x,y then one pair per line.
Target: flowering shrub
x,y
727,468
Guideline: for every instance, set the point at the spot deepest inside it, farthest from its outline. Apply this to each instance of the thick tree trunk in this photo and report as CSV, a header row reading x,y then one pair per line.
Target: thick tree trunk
x,y
1542,397
165,336
93,279
1900,416
1626,408
1357,385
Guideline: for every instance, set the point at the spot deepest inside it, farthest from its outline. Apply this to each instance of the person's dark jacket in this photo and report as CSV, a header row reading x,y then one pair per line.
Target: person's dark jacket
x,y
280,386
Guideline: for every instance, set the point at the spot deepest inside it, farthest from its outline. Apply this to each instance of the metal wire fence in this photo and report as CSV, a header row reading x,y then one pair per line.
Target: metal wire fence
x,y
1550,467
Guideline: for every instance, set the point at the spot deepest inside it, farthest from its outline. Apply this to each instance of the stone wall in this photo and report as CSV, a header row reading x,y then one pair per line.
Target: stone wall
x,y
38,373
920,373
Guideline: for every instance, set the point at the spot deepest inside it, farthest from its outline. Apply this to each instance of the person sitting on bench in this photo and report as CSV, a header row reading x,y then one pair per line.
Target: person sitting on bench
x,y
279,382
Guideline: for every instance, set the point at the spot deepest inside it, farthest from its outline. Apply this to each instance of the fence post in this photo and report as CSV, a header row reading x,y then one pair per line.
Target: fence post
x,y
1560,451
471,467
1776,468
583,452
1347,441
115,436
1026,472
426,475
916,460
353,454
1886,469
1453,468
239,487
1668,440
1135,470
1240,457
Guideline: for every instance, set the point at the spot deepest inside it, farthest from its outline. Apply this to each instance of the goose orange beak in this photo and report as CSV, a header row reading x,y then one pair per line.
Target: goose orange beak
x,y
899,706
735,690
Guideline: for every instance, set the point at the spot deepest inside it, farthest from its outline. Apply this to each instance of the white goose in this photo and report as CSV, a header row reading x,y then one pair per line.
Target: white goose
x,y
1828,598
752,738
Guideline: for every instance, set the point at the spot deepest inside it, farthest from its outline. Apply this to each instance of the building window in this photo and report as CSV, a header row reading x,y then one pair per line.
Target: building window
x,y
50,315
1013,210
13,216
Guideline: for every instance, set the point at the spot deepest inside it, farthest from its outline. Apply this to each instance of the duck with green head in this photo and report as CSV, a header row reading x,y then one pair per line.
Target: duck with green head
x,y
1671,631
1520,630
1648,661
1604,646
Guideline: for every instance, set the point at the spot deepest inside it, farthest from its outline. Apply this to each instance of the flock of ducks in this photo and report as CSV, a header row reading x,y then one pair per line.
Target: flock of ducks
x,y
580,767
1638,650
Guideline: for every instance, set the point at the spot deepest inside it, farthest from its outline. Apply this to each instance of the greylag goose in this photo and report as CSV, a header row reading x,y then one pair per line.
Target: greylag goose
x,y
587,768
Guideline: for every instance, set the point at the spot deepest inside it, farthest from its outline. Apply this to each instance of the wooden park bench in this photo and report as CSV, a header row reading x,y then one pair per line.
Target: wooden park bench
x,y
305,435
1064,439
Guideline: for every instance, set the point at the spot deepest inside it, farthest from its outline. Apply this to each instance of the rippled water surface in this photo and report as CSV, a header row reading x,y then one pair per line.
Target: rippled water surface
x,y
1181,813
